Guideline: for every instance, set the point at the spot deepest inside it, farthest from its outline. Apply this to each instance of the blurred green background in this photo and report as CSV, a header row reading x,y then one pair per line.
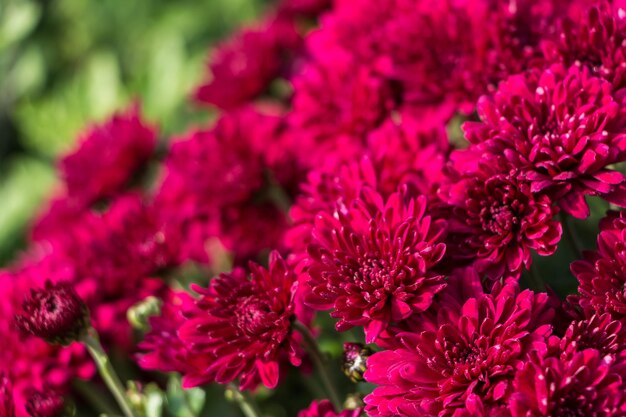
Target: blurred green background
x,y
65,63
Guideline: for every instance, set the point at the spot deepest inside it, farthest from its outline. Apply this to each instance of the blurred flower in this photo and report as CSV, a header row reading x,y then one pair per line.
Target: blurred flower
x,y
242,326
372,261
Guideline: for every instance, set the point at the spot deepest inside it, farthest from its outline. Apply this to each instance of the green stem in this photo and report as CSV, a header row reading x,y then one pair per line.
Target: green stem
x,y
569,236
246,403
320,363
107,372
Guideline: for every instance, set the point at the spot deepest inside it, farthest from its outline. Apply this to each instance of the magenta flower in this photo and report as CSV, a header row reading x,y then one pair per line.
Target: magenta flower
x,y
242,326
215,176
594,40
243,67
372,262
336,103
107,159
55,313
324,408
601,277
473,352
498,220
584,385
562,129
599,332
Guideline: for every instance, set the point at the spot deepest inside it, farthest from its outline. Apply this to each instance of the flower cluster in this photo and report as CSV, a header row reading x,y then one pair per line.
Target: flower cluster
x,y
413,168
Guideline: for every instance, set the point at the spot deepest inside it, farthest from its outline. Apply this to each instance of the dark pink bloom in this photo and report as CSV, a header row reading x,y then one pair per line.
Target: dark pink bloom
x,y
242,327
470,353
107,159
336,103
55,313
440,55
29,362
324,408
595,40
372,261
498,220
599,332
584,385
601,275
304,7
217,175
242,67
562,129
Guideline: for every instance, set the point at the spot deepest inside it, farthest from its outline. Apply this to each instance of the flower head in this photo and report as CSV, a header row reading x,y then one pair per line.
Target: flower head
x,y
476,351
594,39
243,66
602,274
48,404
324,408
497,219
372,262
584,385
242,325
562,129
55,313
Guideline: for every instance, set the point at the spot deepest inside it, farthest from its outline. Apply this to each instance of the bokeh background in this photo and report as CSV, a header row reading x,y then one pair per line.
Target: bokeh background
x,y
66,63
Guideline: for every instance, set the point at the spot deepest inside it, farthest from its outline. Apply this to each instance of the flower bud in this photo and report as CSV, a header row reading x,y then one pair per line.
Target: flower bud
x,y
48,404
55,313
139,314
355,360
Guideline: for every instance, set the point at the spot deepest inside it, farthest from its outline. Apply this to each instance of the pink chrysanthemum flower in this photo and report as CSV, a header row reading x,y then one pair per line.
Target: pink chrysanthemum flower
x,y
324,408
595,40
243,67
436,372
336,103
584,385
562,129
499,220
372,262
602,274
242,326
217,175
107,159
599,332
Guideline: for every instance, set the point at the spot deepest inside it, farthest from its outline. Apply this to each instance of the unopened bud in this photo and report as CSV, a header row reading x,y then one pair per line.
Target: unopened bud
x,y
355,360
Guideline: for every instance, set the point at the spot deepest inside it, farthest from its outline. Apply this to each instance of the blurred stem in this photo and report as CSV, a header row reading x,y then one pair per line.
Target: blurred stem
x,y
92,395
107,372
320,363
569,235
246,403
